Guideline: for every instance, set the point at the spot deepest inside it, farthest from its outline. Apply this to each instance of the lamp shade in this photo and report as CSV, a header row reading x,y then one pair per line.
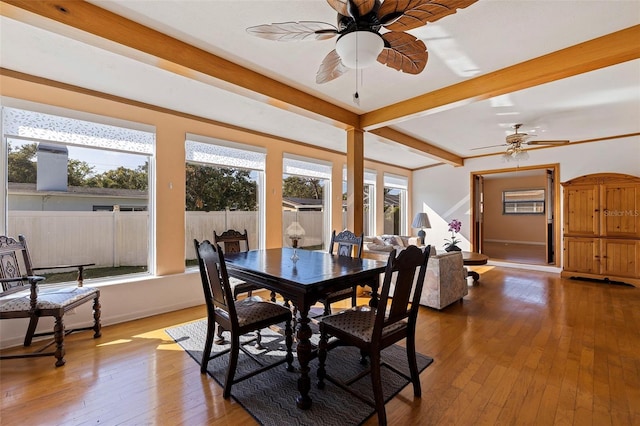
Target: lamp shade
x,y
421,221
295,231
359,49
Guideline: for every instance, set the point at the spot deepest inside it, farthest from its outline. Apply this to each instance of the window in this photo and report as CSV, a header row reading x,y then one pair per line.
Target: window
x,y
60,171
369,224
119,208
524,201
223,191
395,204
306,187
369,202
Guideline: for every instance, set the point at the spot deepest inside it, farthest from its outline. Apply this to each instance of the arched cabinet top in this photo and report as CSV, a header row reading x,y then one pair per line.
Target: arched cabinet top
x,y
600,178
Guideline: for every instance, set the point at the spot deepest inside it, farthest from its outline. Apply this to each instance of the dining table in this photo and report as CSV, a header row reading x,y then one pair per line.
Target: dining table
x,y
303,277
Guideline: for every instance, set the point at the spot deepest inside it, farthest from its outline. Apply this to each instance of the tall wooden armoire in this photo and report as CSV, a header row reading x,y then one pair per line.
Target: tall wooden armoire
x,y
601,227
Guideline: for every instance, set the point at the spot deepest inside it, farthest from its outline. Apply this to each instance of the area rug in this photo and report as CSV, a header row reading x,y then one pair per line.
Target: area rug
x,y
270,396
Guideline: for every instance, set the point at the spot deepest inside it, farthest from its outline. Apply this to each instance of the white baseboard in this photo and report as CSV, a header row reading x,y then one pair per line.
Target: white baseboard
x,y
121,300
543,268
527,243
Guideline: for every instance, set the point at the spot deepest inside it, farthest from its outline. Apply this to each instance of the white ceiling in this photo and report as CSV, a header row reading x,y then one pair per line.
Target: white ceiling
x,y
491,34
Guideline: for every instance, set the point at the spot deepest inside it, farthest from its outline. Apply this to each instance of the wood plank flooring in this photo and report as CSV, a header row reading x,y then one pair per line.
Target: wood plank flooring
x,y
524,348
514,252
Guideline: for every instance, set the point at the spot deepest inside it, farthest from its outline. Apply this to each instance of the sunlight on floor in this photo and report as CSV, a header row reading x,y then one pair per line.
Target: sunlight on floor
x,y
114,342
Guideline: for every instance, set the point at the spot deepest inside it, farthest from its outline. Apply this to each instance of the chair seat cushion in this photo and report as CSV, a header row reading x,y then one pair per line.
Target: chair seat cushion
x,y
253,310
358,322
47,298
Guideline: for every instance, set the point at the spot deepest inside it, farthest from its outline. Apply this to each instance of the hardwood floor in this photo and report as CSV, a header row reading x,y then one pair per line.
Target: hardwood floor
x,y
514,252
525,348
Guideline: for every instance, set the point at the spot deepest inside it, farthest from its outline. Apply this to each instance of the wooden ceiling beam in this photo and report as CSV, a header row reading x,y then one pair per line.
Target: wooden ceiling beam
x,y
174,55
602,52
418,145
178,57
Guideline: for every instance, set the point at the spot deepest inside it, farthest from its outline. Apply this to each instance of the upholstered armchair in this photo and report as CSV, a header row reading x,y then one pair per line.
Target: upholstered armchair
x,y
445,281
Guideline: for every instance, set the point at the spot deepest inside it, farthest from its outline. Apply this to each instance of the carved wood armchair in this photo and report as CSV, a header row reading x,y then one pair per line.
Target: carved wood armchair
x,y
23,296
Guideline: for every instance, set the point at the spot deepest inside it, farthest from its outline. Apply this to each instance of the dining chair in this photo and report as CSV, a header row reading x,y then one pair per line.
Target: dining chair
x,y
372,330
24,295
238,316
348,244
233,241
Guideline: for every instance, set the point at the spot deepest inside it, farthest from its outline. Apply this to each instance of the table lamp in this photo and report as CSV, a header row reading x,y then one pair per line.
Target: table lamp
x,y
295,232
421,221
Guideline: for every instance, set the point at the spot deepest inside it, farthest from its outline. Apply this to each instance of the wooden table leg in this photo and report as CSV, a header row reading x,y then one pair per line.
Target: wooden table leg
x,y
80,275
475,275
303,349
375,283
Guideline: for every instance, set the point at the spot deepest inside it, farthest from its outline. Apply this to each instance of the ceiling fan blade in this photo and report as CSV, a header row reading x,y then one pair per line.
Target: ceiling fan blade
x,y
343,7
403,52
330,68
489,146
402,15
294,31
552,142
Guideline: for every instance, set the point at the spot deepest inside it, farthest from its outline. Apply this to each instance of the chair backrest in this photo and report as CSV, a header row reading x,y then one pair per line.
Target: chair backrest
x,y
231,239
15,262
407,290
349,244
215,281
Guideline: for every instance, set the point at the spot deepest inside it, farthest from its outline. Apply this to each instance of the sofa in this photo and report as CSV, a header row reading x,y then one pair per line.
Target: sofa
x,y
386,243
445,278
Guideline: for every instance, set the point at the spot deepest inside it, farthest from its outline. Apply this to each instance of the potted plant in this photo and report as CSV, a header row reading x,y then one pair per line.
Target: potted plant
x,y
454,228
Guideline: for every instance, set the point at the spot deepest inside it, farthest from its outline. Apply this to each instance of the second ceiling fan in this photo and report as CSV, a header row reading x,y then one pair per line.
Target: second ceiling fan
x,y
515,141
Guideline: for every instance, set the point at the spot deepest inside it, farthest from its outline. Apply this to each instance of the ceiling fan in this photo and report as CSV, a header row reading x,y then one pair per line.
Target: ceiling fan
x,y
515,141
360,40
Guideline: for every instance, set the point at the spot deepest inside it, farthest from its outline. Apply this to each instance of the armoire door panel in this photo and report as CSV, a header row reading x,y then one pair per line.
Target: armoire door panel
x,y
620,257
581,255
581,211
621,210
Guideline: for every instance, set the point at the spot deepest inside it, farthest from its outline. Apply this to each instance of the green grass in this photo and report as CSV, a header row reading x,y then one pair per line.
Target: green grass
x,y
61,277
89,273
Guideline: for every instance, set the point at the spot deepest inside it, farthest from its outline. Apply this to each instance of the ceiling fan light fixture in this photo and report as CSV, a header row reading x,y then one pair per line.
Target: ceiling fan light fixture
x,y
359,49
515,153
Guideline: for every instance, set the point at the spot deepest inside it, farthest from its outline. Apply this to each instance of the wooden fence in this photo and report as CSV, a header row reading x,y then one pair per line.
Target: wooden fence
x,y
112,239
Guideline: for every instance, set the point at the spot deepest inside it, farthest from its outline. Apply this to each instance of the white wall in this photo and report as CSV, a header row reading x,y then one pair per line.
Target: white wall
x,y
444,192
121,301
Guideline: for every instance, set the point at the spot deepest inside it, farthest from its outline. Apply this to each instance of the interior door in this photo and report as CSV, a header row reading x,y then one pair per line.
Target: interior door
x,y
548,229
478,210
551,249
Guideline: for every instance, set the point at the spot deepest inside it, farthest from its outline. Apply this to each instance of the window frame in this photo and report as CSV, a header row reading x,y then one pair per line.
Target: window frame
x,y
255,162
531,201
323,171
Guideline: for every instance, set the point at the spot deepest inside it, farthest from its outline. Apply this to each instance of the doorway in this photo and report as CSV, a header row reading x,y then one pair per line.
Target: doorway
x,y
515,214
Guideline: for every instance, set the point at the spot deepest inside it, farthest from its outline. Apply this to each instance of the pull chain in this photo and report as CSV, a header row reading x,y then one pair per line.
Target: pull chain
x,y
356,96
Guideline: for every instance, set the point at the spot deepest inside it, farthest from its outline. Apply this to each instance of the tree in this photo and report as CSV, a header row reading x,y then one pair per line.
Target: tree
x,y
78,172
21,164
213,189
302,187
23,168
122,178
